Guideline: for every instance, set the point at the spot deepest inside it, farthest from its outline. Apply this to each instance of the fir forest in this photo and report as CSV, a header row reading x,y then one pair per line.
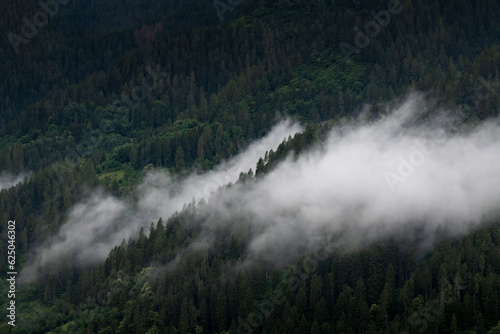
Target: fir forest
x,y
250,166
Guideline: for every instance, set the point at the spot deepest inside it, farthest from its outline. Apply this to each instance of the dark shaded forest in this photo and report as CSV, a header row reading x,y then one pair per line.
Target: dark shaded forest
x,y
104,92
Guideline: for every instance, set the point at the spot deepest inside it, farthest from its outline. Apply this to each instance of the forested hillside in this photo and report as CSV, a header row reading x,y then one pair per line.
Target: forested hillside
x,y
106,93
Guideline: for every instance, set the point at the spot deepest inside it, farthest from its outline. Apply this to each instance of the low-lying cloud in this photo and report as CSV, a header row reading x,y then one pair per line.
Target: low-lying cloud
x,y
371,181
101,221
10,180
368,181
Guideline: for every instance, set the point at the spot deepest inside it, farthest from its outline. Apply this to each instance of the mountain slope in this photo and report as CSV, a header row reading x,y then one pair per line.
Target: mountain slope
x,y
105,92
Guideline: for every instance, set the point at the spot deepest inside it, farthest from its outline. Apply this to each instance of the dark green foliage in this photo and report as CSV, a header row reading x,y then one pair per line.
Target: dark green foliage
x,y
197,91
159,295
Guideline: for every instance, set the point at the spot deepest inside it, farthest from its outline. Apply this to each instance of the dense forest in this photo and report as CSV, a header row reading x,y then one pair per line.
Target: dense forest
x,y
102,93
